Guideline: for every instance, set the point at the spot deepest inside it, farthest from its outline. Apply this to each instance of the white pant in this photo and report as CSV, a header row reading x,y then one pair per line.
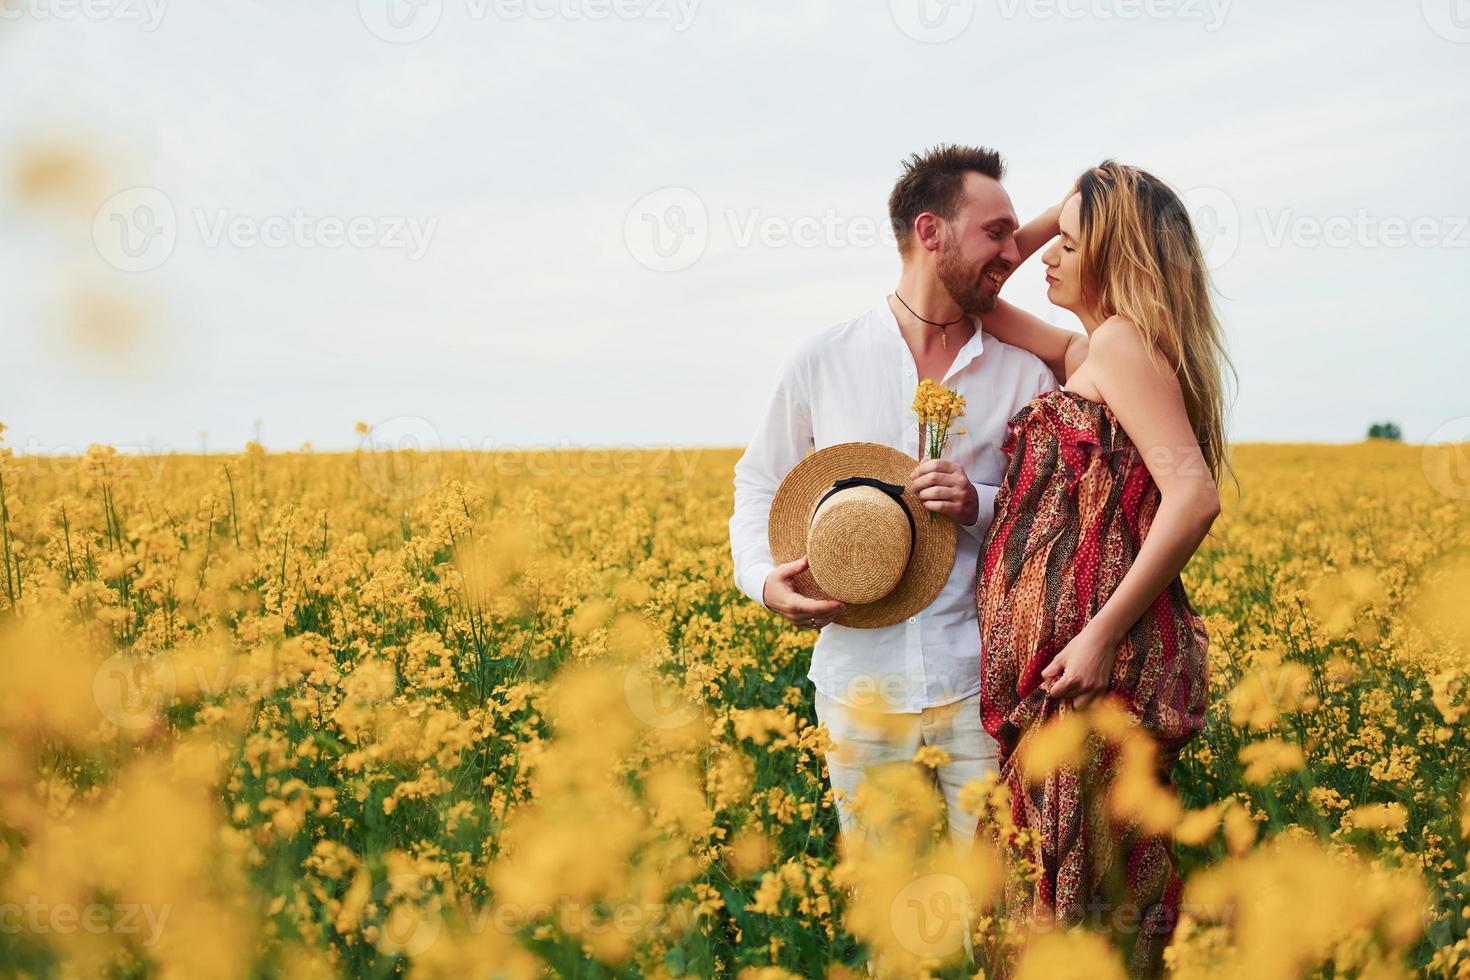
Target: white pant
x,y
953,727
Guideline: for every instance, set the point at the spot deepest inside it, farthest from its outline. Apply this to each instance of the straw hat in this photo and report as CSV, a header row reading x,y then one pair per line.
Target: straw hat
x,y
869,541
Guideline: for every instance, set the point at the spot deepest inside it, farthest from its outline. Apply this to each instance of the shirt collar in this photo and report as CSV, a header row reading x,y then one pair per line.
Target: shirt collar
x,y
969,352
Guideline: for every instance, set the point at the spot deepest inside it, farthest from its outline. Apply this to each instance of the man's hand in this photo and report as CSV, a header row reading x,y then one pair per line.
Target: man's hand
x,y
945,488
781,597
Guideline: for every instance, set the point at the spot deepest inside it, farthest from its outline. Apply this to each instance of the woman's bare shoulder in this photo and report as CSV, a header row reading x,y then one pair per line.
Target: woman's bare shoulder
x,y
1119,346
1117,335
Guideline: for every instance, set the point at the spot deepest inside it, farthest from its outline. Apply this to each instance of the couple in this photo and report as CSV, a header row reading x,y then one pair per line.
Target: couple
x,y
1077,509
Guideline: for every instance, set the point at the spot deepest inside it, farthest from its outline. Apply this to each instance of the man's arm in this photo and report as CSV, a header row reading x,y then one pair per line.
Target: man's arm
x,y
986,494
782,440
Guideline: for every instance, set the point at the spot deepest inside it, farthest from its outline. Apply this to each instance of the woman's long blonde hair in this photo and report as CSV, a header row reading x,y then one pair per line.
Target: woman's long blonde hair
x,y
1140,258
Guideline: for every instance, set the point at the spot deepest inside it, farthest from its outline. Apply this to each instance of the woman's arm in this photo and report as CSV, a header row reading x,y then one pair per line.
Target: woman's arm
x,y
1038,231
1144,394
1062,350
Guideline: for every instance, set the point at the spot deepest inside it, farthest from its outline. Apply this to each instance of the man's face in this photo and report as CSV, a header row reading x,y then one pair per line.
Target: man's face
x,y
977,250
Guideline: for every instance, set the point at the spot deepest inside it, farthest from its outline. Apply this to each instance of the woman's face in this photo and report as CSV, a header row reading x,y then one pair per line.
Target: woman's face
x,y
1063,276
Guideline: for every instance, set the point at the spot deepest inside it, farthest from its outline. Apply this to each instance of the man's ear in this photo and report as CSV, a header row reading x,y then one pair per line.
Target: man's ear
x,y
926,231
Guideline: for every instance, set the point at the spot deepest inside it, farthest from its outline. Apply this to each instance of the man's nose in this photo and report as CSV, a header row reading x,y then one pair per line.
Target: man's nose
x,y
1010,252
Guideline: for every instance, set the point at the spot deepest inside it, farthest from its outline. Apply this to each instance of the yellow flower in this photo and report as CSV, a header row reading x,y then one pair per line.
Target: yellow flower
x,y
767,900
1070,955
1268,759
538,663
1198,826
932,756
1380,816
936,407
1465,811
1056,745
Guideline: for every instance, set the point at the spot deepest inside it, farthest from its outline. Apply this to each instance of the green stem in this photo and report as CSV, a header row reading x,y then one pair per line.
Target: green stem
x,y
10,587
234,511
71,571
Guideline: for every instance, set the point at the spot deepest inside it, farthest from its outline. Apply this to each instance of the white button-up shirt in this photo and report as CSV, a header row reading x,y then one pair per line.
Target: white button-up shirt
x,y
855,382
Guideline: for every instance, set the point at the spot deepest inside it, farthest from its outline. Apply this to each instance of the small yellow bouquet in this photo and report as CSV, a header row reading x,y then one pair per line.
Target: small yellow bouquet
x,y
937,407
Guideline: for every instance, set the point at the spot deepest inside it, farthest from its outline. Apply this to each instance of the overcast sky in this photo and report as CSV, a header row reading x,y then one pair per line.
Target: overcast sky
x,y
604,222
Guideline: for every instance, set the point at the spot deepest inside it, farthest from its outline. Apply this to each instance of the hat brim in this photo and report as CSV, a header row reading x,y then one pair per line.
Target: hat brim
x,y
930,562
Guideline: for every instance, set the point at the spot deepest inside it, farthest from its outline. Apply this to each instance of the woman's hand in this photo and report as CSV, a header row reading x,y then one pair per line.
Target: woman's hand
x,y
1082,670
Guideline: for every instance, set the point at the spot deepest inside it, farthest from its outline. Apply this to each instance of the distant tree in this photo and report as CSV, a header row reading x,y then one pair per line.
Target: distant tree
x,y
1385,430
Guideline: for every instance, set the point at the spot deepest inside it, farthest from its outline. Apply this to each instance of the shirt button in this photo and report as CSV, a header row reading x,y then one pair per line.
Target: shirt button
x,y
913,619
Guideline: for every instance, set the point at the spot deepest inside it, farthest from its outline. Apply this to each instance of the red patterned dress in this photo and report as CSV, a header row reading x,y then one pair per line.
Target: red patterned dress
x,y
1069,520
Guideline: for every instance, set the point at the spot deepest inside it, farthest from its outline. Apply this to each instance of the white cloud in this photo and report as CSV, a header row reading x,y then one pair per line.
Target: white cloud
x,y
529,139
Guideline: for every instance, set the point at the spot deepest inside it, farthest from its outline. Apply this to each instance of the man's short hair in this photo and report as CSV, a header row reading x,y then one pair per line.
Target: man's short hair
x,y
935,181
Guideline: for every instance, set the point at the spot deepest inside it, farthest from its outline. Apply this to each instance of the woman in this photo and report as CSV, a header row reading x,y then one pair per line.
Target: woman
x,y
1111,487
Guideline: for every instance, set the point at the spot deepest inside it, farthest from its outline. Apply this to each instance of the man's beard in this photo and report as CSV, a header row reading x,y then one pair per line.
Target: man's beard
x,y
966,285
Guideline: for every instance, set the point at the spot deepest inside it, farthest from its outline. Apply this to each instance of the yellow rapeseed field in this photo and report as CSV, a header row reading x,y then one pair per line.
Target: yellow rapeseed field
x,y
506,715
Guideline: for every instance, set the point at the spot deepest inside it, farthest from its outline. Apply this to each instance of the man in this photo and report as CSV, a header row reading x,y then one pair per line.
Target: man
x,y
855,381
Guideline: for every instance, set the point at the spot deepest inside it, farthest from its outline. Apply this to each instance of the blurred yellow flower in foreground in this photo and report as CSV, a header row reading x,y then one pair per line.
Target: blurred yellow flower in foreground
x,y
315,714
